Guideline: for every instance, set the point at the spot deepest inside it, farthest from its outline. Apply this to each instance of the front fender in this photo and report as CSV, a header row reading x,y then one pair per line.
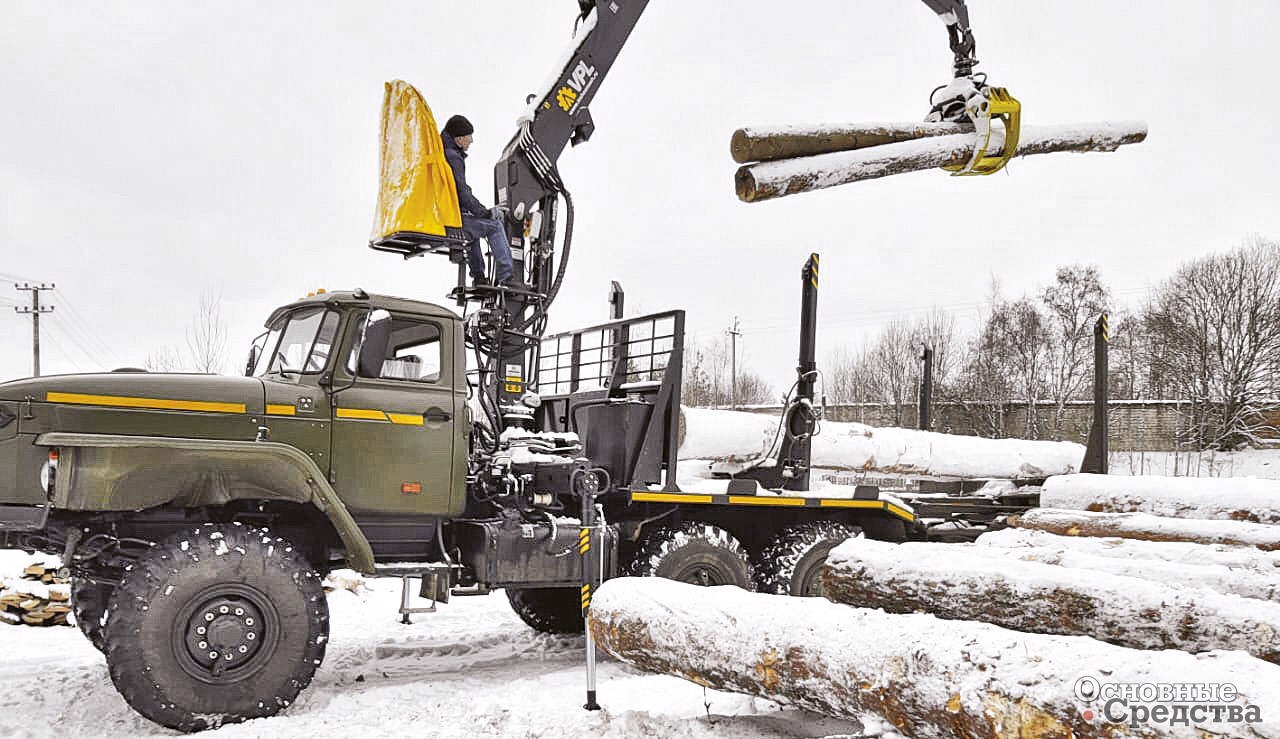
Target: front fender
x,y
109,472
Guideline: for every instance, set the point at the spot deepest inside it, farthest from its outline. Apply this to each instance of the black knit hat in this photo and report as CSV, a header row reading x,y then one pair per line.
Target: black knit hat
x,y
459,126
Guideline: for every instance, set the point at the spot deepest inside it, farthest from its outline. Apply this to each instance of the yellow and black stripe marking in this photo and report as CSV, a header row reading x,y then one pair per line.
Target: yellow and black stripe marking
x,y
586,597
584,541
158,404
768,501
366,414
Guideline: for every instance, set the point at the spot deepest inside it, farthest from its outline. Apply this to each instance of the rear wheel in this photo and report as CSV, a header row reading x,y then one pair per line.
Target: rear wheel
x,y
549,610
791,564
89,605
696,553
217,625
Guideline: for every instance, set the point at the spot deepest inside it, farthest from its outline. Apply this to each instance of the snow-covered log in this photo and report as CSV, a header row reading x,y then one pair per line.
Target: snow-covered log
x,y
737,439
1261,580
1220,498
967,582
1148,527
1177,552
929,677
769,143
766,180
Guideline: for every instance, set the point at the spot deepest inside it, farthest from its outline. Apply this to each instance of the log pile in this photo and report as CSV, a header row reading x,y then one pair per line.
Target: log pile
x,y
813,161
18,607
1147,527
927,676
1218,498
966,582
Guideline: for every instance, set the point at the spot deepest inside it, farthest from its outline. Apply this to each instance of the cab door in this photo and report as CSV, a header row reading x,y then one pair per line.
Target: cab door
x,y
396,448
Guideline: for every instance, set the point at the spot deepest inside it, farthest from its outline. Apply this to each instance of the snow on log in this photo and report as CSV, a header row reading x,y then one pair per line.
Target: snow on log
x,y
1149,528
1261,580
737,439
966,582
766,180
769,143
929,677
1220,498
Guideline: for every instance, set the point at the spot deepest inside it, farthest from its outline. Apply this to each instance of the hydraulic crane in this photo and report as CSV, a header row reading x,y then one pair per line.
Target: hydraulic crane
x,y
507,325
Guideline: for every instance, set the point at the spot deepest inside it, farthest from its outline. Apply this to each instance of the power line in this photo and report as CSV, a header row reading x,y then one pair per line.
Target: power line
x,y
34,311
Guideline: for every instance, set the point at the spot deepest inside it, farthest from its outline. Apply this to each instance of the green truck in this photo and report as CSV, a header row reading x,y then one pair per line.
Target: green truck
x,y
197,515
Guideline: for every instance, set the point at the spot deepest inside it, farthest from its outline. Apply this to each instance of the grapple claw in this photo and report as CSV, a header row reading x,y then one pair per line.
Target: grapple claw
x,y
989,103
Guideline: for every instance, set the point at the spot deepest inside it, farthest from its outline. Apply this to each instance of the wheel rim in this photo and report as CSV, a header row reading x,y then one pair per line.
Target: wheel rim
x,y
226,633
704,575
811,583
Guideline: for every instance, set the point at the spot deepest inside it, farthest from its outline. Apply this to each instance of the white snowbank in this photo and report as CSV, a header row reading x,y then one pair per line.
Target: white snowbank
x,y
1177,552
1232,498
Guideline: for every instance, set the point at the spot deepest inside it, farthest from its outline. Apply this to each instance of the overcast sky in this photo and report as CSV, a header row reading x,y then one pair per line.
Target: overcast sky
x,y
151,152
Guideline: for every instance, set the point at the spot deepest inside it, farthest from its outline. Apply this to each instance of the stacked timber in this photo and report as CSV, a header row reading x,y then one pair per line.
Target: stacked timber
x,y
788,160
927,676
968,582
735,440
19,607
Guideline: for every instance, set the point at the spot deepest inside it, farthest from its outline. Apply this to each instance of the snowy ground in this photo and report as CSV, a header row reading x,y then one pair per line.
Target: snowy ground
x,y
1262,463
472,669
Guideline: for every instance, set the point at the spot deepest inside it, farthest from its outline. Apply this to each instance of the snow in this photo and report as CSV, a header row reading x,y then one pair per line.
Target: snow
x,y
470,669
1239,571
1154,614
1264,536
724,629
837,168
737,440
1235,498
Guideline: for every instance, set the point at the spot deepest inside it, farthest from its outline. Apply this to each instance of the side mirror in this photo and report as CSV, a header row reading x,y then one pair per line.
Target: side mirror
x,y
371,344
255,353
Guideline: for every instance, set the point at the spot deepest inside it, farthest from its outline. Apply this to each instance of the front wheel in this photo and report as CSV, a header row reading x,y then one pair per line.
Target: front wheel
x,y
89,606
694,552
218,625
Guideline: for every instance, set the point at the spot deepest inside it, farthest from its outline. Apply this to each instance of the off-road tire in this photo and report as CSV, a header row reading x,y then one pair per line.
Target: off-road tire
x,y
89,601
549,610
694,552
791,564
237,590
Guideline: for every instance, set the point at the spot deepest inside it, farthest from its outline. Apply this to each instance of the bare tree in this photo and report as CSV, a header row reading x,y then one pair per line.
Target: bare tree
x,y
164,359
1217,323
207,336
1073,302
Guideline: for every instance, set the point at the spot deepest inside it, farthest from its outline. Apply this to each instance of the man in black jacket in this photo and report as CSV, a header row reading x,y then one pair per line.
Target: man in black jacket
x,y
477,220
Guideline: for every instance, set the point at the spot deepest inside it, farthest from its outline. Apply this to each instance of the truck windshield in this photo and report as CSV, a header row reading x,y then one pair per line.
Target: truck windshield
x,y
300,342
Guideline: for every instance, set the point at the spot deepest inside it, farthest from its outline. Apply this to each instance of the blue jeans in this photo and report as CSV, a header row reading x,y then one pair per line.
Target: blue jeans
x,y
490,230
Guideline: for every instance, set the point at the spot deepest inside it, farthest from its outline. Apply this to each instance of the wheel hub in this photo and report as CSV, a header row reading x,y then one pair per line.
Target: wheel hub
x,y
227,634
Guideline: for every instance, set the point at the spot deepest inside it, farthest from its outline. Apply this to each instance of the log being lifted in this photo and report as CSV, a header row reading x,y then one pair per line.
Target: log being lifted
x,y
928,677
736,439
1149,528
1218,498
770,143
766,180
966,582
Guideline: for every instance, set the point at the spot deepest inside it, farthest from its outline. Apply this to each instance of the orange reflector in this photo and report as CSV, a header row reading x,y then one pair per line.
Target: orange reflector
x,y
53,455
411,488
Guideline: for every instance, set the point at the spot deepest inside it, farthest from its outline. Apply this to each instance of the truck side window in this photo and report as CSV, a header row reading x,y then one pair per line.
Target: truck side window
x,y
412,352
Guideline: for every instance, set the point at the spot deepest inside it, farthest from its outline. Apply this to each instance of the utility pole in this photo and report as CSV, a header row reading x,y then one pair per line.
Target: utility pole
x,y
734,333
35,310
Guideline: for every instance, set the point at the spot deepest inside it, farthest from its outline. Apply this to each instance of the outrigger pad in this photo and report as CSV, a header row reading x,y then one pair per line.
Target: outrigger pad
x,y
417,198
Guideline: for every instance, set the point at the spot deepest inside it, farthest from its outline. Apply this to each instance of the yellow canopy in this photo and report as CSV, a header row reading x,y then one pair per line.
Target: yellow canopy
x,y
416,192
